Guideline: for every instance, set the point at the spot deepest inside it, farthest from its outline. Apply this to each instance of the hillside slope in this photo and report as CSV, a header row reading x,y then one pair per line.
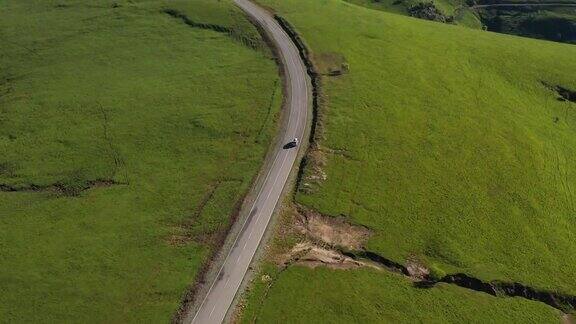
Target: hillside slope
x,y
450,144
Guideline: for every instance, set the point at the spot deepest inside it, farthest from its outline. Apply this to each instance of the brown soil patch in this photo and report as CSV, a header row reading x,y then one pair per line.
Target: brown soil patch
x,y
568,319
416,270
310,255
334,231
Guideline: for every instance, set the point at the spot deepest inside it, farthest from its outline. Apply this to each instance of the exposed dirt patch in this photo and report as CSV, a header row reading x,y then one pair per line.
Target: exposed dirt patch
x,y
568,319
334,242
417,270
310,255
330,63
333,231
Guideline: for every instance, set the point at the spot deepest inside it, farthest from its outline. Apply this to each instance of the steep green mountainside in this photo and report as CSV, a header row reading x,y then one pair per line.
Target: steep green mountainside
x,y
451,145
129,132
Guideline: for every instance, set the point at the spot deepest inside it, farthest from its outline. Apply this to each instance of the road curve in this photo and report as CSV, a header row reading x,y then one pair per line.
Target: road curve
x,y
223,290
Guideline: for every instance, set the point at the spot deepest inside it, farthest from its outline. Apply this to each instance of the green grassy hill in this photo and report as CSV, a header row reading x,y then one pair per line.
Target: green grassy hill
x,y
127,138
302,295
446,143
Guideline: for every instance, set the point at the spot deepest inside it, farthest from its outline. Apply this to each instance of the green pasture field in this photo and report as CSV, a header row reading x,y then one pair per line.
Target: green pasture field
x,y
127,139
446,142
322,295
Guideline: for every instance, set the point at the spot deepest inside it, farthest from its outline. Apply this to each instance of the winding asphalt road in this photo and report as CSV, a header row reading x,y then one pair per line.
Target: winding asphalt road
x,y
223,290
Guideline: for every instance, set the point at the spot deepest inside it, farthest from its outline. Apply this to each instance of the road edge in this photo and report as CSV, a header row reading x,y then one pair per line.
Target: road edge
x,y
312,134
193,297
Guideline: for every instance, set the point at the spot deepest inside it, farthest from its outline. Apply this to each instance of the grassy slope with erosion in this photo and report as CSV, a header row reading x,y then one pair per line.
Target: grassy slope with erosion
x,y
95,92
455,152
371,296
